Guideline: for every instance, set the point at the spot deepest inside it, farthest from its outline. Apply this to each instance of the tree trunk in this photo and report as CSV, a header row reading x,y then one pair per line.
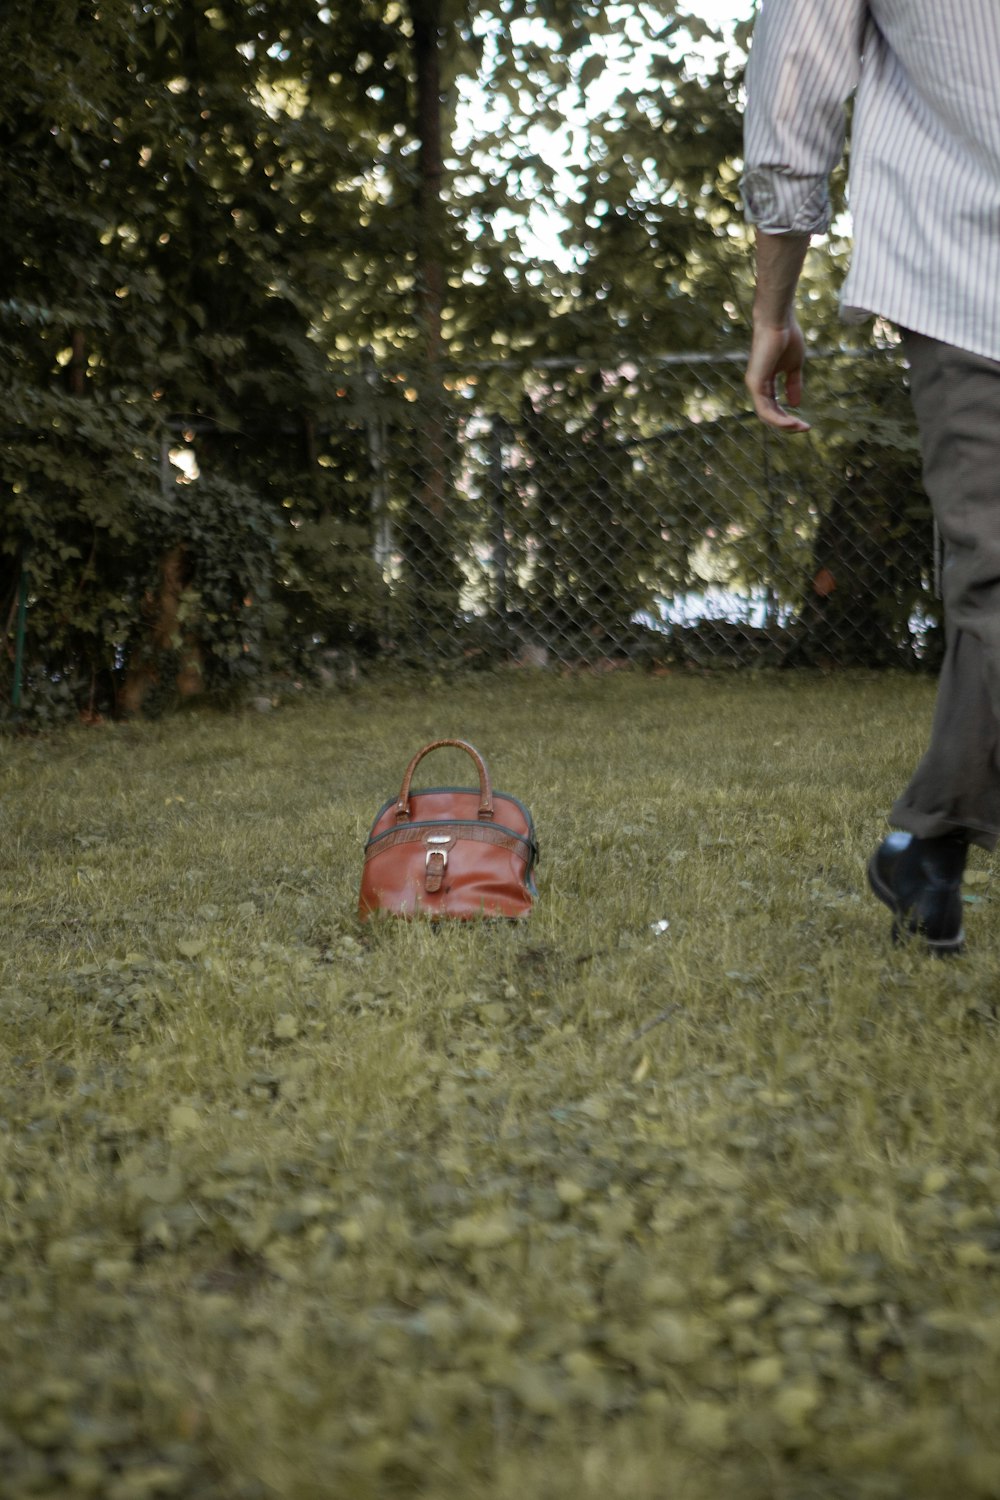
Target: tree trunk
x,y
78,363
433,569
430,205
166,635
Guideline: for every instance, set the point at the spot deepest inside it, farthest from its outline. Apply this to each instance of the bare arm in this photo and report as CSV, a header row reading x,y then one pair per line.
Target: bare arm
x,y
804,62
777,350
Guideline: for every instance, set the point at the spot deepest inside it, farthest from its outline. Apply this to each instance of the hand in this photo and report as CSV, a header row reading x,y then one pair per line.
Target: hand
x,y
776,352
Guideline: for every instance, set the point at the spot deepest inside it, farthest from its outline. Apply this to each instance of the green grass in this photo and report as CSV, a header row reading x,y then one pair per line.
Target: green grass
x,y
565,1211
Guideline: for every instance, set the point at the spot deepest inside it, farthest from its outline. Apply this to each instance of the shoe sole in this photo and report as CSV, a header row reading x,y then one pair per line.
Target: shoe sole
x,y
939,947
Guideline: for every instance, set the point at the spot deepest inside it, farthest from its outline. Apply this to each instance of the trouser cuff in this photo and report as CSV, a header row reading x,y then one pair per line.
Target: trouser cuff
x,y
934,825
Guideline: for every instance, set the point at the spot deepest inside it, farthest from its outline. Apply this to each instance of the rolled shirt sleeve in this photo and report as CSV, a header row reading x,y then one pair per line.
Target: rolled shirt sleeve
x,y
804,64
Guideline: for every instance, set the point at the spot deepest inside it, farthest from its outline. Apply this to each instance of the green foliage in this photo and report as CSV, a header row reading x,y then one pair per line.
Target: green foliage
x,y
211,213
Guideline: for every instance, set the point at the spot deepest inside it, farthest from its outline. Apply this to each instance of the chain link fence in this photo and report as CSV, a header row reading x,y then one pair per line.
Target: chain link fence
x,y
571,514
553,515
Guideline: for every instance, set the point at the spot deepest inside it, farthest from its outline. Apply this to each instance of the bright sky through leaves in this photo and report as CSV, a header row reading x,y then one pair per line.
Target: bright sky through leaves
x,y
623,69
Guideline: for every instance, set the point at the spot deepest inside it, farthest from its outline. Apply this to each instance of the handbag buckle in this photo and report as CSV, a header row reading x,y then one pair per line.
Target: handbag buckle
x,y
436,862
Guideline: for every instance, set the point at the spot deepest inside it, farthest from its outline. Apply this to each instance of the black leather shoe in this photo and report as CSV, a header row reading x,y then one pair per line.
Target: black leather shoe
x,y
920,881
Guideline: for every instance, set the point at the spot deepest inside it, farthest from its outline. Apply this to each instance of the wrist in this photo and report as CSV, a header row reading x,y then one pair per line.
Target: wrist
x,y
772,320
779,264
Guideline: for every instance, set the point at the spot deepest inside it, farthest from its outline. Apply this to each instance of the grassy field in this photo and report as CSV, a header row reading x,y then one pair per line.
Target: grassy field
x,y
585,1208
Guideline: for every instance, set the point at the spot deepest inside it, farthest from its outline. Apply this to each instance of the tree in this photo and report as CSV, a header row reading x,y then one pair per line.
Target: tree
x,y
280,240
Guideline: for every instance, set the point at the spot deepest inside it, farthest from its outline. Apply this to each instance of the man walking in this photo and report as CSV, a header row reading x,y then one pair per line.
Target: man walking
x,y
925,199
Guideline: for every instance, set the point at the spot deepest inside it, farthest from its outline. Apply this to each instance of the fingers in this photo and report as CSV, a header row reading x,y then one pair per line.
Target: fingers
x,y
776,354
770,411
763,394
793,387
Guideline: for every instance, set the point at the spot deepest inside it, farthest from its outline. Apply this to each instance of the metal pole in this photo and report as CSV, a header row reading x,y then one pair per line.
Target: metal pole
x,y
382,542
770,589
498,508
21,631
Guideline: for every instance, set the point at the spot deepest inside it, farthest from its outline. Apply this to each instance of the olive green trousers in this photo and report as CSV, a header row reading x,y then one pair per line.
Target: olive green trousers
x,y
956,396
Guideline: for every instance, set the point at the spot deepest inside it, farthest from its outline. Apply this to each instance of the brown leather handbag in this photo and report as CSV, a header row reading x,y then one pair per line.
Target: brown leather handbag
x,y
447,851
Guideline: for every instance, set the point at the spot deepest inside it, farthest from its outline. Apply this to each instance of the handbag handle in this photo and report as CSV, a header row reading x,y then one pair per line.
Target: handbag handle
x,y
485,789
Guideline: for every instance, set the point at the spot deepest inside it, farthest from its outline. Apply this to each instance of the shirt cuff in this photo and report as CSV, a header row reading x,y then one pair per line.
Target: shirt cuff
x,y
778,202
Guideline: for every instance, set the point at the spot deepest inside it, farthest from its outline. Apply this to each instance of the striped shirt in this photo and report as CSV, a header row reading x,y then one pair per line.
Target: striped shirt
x,y
925,151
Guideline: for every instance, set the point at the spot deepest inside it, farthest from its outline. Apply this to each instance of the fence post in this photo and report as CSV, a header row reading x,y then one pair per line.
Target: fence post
x,y
382,538
382,543
773,560
499,433
20,633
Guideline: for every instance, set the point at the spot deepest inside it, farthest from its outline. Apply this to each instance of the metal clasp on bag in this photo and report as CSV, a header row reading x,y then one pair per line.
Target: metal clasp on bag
x,y
434,872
